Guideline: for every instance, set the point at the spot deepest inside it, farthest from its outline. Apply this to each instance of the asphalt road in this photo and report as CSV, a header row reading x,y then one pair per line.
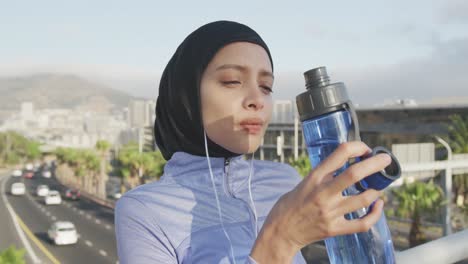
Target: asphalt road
x,y
7,228
94,223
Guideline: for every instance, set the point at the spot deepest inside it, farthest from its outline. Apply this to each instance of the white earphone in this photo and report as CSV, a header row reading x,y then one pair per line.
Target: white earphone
x,y
219,205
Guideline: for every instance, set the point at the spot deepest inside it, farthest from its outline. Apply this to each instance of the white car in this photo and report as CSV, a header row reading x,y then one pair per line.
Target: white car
x,y
63,233
29,166
53,197
46,174
42,190
17,173
18,188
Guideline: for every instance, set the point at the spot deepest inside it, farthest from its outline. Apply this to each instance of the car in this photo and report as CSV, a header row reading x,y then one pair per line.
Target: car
x,y
72,194
117,195
53,197
46,174
17,173
42,190
37,165
63,233
28,174
18,188
29,166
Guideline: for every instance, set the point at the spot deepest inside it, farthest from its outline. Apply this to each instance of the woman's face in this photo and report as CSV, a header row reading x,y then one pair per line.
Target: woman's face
x,y
236,97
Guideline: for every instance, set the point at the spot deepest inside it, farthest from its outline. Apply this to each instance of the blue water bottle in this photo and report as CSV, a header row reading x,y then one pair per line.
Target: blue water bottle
x,y
328,119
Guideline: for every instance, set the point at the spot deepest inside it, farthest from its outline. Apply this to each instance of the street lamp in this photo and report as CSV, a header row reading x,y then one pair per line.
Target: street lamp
x,y
447,187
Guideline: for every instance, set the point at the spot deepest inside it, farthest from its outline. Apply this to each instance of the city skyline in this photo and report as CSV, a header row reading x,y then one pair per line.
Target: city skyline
x,y
394,50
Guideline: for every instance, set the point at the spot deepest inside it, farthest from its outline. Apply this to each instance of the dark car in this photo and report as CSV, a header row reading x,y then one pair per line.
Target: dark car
x,y
28,174
72,194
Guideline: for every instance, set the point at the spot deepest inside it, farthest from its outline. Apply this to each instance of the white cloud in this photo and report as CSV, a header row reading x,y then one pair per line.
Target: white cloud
x,y
442,74
454,11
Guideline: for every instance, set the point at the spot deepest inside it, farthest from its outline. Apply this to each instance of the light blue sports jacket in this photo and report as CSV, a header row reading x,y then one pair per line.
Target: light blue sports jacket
x,y
176,220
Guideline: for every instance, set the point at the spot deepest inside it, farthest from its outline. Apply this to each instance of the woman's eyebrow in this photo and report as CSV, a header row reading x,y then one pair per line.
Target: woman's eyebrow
x,y
243,69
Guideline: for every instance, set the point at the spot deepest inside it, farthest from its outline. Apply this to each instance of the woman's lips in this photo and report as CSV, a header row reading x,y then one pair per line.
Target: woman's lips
x,y
252,129
252,125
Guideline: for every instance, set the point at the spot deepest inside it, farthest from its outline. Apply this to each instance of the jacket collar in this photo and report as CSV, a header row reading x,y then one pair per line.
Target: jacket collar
x,y
182,163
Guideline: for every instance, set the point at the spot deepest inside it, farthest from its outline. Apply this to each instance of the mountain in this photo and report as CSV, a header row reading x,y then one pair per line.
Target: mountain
x,y
58,91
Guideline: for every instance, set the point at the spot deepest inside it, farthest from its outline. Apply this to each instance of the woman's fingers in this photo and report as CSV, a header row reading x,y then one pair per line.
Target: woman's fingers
x,y
355,202
337,159
344,226
358,171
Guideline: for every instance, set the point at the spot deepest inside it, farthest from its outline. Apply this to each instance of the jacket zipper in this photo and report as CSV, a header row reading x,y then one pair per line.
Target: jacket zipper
x,y
227,162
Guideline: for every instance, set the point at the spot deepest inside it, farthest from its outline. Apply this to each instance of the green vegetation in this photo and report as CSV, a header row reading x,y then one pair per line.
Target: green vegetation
x,y
15,148
416,200
132,164
89,167
302,165
84,164
12,255
458,140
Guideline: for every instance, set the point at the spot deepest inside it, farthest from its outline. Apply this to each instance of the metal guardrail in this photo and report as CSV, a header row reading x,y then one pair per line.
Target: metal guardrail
x,y
449,249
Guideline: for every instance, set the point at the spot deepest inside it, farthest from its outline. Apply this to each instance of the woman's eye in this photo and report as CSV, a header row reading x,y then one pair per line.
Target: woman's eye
x,y
231,83
267,89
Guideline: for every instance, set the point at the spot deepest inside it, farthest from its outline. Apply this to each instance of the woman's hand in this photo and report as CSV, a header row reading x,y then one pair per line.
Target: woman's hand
x,y
315,209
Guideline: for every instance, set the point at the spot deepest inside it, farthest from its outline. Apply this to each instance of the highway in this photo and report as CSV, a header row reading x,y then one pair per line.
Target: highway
x,y
94,223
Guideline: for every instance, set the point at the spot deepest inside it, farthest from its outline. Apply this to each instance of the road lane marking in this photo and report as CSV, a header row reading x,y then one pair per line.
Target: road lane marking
x,y
108,227
36,241
98,221
81,212
54,218
88,216
102,252
15,221
89,243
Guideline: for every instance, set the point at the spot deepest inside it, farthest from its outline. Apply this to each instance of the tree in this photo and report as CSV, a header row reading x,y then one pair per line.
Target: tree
x,y
102,147
458,140
15,148
302,165
136,167
12,255
416,200
85,164
458,134
157,168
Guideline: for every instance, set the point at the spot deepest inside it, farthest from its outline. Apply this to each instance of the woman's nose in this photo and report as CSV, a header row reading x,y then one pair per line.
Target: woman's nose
x,y
255,98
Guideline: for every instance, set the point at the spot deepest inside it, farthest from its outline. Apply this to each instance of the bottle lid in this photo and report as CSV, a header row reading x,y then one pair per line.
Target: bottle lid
x,y
321,97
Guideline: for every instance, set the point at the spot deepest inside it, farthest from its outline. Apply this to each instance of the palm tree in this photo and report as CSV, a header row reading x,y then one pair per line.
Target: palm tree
x,y
416,200
458,134
84,165
157,167
103,148
458,140
136,167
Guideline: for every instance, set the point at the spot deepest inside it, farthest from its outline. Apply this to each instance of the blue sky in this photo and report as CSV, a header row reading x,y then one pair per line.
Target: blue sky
x,y
370,45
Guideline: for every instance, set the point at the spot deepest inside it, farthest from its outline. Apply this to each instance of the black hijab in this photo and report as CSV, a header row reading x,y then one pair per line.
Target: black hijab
x,y
178,125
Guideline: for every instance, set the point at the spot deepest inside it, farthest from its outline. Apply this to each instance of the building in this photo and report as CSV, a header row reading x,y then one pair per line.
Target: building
x,y
379,126
65,127
141,113
283,139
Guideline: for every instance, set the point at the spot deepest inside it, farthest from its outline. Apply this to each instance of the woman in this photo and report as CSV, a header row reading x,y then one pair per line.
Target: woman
x,y
212,206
